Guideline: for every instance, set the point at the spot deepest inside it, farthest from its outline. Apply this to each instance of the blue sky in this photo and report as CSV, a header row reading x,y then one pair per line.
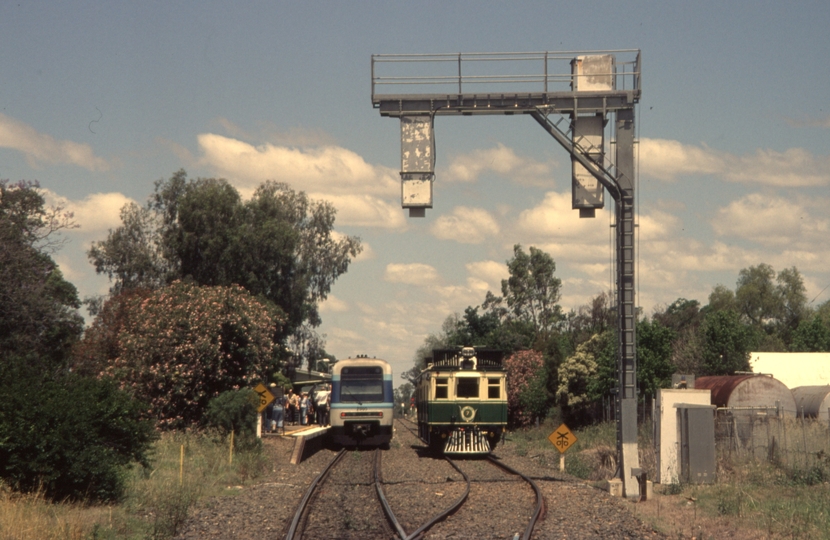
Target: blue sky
x,y
98,100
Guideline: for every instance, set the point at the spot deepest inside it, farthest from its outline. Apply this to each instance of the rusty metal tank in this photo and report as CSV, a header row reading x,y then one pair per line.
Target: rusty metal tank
x,y
812,401
748,392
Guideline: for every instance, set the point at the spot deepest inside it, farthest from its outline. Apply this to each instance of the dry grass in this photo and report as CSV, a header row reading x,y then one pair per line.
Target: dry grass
x,y
24,517
156,502
763,490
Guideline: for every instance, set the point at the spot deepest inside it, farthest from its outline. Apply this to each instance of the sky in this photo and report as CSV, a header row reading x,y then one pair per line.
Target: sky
x,y
98,100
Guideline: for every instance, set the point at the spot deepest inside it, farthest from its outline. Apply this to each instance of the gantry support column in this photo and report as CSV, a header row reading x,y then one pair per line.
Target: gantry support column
x,y
626,306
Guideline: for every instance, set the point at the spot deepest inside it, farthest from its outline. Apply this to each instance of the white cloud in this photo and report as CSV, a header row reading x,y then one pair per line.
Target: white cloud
x,y
465,225
554,221
327,169
500,160
333,304
486,275
411,274
795,167
364,211
666,159
95,213
42,148
771,220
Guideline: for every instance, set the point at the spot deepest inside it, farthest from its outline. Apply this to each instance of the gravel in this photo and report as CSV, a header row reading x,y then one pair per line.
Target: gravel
x,y
418,486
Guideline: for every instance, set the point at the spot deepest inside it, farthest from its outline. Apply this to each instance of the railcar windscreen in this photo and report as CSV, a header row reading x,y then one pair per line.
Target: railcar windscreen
x,y
441,388
361,385
467,387
493,388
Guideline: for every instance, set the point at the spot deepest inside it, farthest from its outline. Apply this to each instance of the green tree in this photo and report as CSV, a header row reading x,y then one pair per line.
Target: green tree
x,y
179,347
726,343
70,436
721,299
604,348
531,293
812,335
132,256
654,353
772,304
755,294
279,245
38,307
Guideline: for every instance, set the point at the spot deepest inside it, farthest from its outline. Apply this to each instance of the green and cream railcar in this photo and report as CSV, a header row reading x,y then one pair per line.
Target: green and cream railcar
x,y
461,399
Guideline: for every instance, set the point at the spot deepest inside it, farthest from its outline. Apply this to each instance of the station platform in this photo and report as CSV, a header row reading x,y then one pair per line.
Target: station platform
x,y
301,435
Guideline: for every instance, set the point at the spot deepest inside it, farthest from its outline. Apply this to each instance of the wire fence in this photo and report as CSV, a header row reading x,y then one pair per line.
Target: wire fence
x,y
767,434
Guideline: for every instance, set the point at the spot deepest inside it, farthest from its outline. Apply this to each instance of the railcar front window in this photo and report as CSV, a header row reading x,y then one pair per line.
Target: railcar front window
x,y
467,387
361,385
493,388
441,388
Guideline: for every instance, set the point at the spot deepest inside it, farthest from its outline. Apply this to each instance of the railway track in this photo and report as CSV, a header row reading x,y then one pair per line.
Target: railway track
x,y
539,499
301,515
392,526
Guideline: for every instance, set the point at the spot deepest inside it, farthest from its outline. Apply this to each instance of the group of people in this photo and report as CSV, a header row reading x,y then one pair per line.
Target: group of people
x,y
298,409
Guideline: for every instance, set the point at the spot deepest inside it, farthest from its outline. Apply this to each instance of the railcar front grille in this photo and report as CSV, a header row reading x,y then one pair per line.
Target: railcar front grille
x,y
467,441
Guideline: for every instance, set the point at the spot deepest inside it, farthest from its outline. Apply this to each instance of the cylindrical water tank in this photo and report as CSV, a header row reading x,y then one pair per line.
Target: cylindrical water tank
x,y
812,401
744,392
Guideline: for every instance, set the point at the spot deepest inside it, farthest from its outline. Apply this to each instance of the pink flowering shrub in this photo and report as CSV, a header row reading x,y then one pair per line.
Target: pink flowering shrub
x,y
180,346
526,392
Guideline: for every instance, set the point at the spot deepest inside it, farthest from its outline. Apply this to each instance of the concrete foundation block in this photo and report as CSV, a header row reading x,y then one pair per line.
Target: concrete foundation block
x,y
615,487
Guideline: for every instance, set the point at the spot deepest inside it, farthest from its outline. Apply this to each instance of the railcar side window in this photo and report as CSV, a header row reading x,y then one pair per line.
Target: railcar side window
x,y
466,387
493,388
441,388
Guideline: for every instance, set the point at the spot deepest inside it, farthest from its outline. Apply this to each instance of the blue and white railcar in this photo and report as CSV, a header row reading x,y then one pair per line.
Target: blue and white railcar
x,y
361,402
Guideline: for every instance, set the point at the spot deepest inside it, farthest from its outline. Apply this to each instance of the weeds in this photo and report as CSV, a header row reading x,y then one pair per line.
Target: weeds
x,y
157,498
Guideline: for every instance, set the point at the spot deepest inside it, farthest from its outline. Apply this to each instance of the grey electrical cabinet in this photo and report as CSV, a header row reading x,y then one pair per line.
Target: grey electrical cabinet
x,y
696,433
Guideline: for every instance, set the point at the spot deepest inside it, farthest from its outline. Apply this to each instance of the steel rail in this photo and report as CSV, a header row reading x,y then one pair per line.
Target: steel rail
x,y
447,511
385,503
292,530
540,501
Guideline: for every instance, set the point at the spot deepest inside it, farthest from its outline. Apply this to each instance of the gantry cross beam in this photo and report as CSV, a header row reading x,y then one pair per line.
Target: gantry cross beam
x,y
571,95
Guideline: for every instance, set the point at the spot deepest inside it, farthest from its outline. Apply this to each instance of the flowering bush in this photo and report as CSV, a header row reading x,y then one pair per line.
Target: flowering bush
x,y
180,346
526,394
575,375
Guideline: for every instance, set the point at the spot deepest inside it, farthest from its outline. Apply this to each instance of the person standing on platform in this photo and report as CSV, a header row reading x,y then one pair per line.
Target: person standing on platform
x,y
293,406
321,404
278,414
304,409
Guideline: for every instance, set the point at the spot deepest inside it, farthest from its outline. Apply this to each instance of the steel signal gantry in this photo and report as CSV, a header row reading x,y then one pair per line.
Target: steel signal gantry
x,y
571,95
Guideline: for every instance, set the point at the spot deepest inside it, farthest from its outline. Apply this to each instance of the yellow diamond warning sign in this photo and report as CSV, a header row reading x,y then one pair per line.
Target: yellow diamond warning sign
x,y
562,438
265,397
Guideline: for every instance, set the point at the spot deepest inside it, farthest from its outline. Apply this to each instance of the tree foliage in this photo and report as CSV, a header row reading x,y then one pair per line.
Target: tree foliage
x,y
531,293
812,335
726,343
38,307
576,373
526,396
71,436
235,411
654,355
279,245
181,346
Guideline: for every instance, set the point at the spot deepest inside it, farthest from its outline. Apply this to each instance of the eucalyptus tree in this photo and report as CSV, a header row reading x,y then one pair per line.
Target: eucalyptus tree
x,y
279,245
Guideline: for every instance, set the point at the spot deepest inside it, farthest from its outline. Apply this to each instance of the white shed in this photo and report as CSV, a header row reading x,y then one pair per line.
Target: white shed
x,y
793,369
